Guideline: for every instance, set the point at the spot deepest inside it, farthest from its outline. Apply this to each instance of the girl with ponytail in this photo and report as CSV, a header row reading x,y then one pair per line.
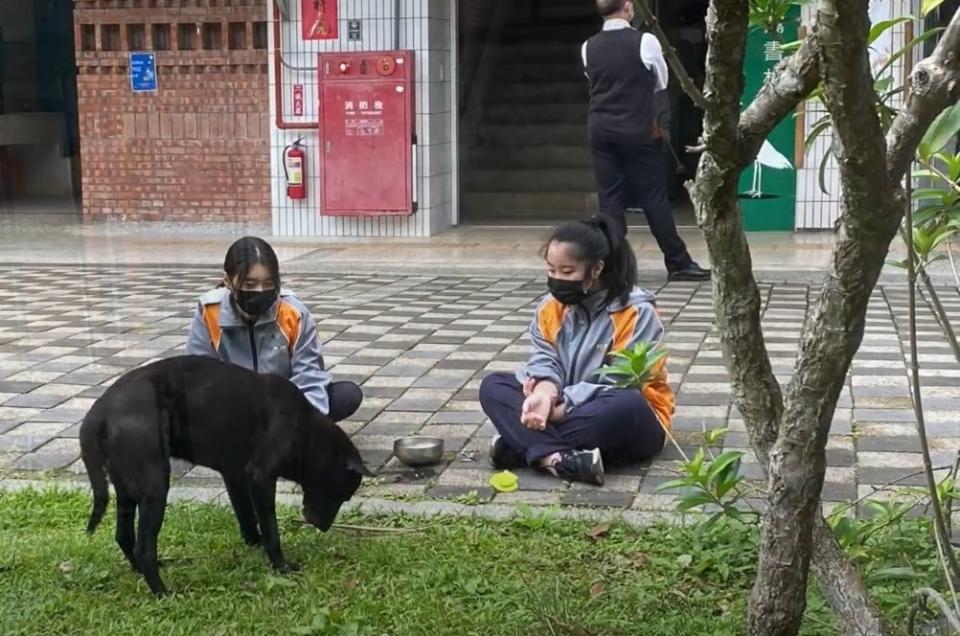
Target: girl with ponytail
x,y
556,413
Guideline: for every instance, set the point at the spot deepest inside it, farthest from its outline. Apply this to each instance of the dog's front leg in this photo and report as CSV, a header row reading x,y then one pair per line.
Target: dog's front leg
x,y
263,491
242,504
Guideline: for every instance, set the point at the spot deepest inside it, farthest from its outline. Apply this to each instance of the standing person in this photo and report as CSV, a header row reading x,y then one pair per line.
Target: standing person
x,y
557,413
251,322
625,68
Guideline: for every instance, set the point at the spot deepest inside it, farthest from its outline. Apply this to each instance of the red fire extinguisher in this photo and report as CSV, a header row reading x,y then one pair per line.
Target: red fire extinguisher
x,y
294,168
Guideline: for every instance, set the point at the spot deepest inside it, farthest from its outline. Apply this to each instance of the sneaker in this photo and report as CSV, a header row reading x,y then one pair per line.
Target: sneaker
x,y
580,465
502,455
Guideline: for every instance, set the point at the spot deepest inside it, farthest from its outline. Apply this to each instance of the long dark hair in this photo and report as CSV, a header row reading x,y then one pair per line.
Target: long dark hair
x,y
600,238
247,252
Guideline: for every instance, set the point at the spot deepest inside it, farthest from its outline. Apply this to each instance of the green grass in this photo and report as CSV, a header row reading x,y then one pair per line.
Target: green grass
x,y
457,577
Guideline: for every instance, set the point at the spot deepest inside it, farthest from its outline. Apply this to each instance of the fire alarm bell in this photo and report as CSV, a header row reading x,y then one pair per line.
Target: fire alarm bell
x,y
386,66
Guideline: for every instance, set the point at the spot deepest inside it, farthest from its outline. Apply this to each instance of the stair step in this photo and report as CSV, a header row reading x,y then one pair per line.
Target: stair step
x,y
555,33
546,52
555,113
535,180
538,93
514,136
552,157
537,72
476,204
553,13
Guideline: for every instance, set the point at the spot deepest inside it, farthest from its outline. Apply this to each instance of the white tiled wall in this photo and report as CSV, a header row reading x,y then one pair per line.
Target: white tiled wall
x,y
817,209
426,26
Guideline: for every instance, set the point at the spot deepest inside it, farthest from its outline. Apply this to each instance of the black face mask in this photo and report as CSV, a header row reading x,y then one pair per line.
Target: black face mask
x,y
567,292
255,303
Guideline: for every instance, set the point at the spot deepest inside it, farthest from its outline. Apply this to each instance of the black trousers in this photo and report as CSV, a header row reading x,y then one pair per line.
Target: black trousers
x,y
624,168
619,422
345,398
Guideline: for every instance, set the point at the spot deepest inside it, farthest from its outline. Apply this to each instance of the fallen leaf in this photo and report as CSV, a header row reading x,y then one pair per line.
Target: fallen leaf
x,y
351,583
639,559
599,531
596,589
684,560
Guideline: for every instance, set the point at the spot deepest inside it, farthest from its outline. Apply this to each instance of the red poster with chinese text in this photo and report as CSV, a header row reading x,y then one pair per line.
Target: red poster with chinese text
x,y
319,19
298,100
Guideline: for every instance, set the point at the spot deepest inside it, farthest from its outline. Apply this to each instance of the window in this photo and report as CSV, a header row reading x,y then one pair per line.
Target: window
x,y
136,37
109,37
237,35
259,35
186,37
160,34
88,37
212,36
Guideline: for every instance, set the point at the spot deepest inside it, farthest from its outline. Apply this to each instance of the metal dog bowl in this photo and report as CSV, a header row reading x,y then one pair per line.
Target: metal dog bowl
x,y
418,451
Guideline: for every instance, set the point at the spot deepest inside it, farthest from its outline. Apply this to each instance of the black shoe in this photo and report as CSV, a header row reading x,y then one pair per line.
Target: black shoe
x,y
691,273
502,455
580,465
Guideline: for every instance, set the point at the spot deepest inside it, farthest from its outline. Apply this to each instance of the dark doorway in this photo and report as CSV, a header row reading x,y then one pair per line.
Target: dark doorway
x,y
39,148
523,154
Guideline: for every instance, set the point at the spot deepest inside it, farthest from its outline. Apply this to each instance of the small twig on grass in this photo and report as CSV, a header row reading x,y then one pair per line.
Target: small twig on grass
x,y
344,527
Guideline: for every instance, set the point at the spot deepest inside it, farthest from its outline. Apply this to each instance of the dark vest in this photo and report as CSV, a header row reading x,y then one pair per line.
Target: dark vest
x,y
621,88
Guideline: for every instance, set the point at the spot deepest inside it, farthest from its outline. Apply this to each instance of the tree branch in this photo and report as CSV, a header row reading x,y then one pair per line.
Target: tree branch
x,y
793,79
934,85
688,85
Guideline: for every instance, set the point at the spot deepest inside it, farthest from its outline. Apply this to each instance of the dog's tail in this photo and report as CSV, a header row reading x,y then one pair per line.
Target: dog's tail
x,y
91,432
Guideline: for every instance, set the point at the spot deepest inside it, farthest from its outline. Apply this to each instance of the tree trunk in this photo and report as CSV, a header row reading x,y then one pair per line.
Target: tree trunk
x,y
790,440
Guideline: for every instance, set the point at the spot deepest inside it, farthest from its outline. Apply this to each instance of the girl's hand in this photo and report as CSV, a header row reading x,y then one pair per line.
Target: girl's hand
x,y
528,386
536,411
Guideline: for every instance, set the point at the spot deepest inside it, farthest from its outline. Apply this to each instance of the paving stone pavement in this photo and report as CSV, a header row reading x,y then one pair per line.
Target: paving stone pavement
x,y
419,346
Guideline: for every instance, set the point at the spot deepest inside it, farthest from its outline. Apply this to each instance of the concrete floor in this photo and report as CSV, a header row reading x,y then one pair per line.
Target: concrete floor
x,y
36,238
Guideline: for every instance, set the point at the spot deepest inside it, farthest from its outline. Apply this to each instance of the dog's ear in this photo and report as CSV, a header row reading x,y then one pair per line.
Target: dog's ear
x,y
355,464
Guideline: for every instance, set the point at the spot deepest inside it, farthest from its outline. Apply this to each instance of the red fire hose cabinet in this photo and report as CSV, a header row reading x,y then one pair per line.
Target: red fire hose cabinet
x,y
368,142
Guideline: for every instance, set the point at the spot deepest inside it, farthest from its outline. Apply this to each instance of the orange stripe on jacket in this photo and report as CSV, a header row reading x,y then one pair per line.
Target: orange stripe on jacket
x,y
289,321
657,391
211,318
550,320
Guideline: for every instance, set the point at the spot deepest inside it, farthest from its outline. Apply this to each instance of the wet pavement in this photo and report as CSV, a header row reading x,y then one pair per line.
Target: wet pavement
x,y
419,344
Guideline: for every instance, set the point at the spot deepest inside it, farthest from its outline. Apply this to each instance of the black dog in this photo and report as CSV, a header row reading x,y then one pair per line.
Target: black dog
x,y
251,428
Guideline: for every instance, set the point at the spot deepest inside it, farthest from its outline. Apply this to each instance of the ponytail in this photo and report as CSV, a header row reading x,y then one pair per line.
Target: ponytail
x,y
600,238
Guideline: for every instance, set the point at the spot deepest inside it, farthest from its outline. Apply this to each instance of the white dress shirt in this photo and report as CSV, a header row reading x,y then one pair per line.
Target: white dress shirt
x,y
651,53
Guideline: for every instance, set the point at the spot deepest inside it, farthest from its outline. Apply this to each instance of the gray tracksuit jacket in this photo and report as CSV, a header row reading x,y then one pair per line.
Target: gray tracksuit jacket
x,y
283,341
569,343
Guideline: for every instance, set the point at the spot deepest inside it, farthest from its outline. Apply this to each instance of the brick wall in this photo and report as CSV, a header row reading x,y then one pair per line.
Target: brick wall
x,y
198,148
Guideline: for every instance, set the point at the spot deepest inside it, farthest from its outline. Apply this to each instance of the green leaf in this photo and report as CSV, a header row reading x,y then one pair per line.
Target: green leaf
x,y
721,463
694,501
715,434
673,484
820,126
943,129
927,6
822,176
923,37
883,26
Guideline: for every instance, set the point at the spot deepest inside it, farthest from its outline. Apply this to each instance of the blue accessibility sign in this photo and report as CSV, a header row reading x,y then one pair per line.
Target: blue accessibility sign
x,y
143,72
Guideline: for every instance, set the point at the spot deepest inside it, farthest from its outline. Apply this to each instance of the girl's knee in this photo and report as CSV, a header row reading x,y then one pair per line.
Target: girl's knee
x,y
494,386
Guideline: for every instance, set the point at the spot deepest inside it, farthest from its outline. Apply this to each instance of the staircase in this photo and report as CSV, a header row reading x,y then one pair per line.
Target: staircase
x,y
529,162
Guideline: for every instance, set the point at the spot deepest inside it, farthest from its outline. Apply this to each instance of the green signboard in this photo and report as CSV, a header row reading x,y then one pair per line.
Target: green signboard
x,y
768,188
